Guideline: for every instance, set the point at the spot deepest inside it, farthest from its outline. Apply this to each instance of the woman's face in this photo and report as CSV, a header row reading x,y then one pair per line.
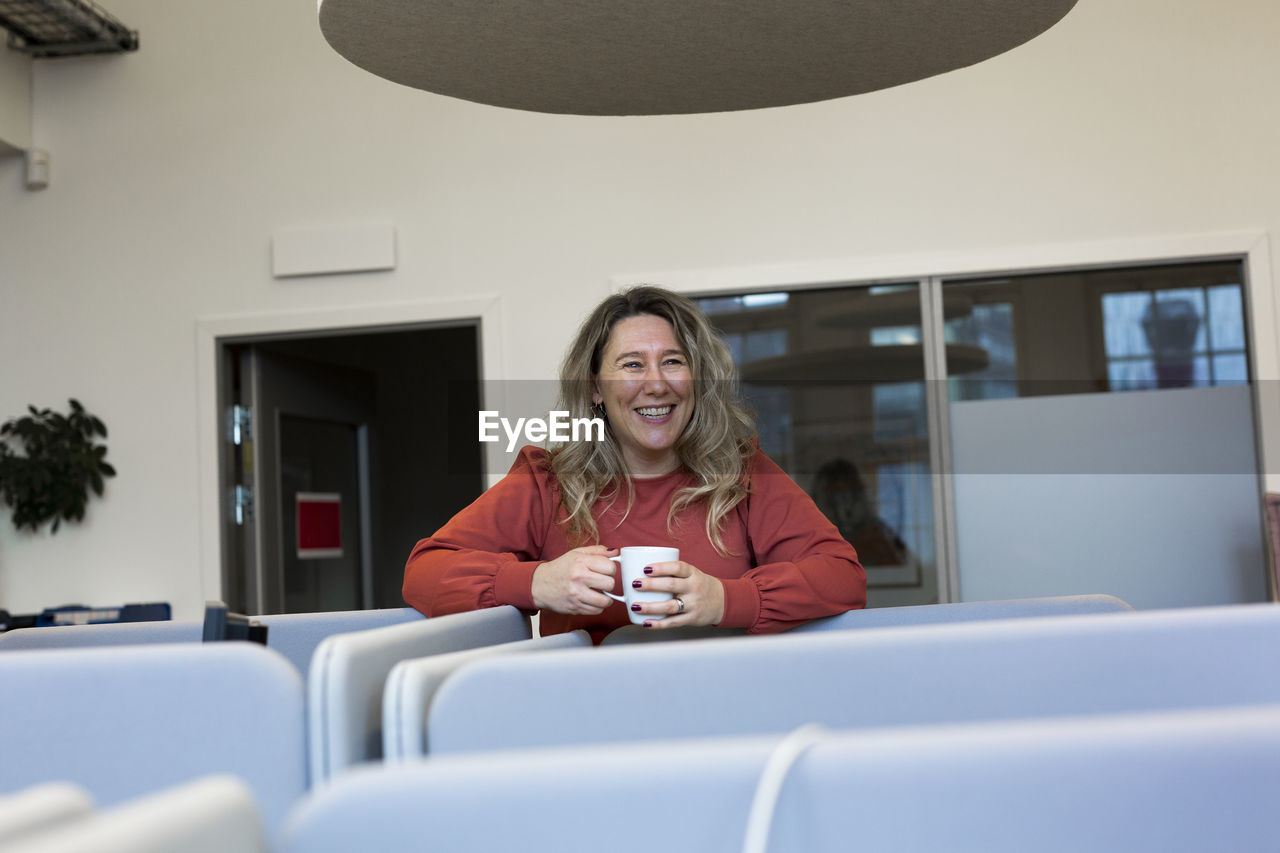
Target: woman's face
x,y
647,390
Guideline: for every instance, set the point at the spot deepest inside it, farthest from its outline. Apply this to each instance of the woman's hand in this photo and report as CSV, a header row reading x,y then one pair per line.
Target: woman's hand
x,y
702,596
572,583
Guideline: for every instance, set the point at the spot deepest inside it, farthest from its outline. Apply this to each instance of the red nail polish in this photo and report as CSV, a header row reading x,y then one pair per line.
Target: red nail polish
x,y
648,570
647,625
635,584
635,607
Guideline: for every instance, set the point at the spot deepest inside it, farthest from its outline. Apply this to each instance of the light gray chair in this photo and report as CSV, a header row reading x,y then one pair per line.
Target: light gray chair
x,y
411,685
1187,780
919,614
1001,669
967,611
106,634
349,671
131,720
294,635
41,807
213,814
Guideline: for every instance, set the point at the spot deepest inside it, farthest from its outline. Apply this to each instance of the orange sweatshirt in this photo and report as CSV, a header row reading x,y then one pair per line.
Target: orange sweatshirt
x,y
787,564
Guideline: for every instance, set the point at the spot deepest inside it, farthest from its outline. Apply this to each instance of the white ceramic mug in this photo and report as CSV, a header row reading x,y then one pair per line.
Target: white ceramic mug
x,y
633,560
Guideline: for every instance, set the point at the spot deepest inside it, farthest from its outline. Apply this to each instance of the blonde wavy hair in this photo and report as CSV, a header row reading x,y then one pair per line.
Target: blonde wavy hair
x,y
715,445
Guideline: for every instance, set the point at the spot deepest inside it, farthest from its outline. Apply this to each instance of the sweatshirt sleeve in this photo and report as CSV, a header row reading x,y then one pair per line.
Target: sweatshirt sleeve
x,y
485,555
804,569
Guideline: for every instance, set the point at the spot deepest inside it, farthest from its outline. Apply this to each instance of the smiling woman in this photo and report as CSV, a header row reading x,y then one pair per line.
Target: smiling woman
x,y
679,466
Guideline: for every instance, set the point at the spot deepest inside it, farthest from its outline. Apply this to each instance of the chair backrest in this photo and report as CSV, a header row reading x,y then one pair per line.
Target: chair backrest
x,y
411,685
126,721
106,634
214,814
1188,780
294,635
41,807
935,673
967,611
348,673
919,614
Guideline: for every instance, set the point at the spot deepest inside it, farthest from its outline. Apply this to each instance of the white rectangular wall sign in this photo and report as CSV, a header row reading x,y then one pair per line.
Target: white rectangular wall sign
x,y
338,249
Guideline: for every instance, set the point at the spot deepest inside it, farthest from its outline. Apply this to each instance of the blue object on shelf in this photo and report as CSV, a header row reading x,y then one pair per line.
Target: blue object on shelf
x,y
78,614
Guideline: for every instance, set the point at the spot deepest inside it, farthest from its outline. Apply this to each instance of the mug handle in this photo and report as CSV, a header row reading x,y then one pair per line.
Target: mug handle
x,y
618,560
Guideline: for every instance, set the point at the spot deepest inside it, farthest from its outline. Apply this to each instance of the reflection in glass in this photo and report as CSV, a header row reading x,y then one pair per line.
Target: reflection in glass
x,y
1090,331
1122,315
1226,318
836,380
990,327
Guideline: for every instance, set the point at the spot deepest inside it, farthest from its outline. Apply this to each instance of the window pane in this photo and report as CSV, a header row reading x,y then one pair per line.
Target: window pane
x,y
1230,369
1179,318
1091,331
989,328
899,411
905,503
890,336
836,380
1226,317
1135,375
1122,318
1200,376
1071,487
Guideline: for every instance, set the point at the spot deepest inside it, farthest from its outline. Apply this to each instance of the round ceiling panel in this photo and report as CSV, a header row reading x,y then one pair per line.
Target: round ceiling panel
x,y
600,57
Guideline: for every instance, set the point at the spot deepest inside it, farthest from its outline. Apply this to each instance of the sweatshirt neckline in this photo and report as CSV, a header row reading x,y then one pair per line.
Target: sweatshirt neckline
x,y
643,482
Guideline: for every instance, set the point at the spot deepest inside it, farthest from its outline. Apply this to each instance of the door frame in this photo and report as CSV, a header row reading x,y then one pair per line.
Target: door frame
x,y
214,331
1251,248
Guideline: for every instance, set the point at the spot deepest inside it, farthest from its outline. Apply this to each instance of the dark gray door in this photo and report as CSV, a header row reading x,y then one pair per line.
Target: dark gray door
x,y
310,467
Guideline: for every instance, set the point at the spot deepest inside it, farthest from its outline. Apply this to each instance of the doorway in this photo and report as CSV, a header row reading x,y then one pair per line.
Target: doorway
x,y
337,459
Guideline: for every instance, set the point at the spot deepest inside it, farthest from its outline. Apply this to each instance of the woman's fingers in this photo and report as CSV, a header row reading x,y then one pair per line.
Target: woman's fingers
x,y
573,582
672,569
697,598
591,576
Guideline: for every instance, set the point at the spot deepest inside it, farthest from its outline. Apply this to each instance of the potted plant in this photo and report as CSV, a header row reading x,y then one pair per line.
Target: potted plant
x,y
62,461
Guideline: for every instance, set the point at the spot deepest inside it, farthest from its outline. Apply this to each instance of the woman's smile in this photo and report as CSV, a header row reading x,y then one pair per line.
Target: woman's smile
x,y
656,414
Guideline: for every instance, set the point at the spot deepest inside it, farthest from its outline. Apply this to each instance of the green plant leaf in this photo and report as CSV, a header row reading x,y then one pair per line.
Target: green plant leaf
x,y
49,482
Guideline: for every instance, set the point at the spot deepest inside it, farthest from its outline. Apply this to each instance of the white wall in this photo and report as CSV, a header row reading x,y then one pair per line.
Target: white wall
x,y
1131,119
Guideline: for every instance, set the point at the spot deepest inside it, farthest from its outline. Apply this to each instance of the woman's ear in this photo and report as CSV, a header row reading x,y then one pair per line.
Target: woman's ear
x,y
596,397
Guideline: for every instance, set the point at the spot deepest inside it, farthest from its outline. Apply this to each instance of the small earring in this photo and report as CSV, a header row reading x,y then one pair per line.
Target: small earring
x,y
598,410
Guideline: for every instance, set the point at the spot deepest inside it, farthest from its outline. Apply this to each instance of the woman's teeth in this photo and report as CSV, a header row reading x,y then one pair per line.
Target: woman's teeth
x,y
655,411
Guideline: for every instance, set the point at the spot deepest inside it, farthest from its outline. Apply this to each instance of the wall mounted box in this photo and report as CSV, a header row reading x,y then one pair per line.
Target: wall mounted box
x,y
340,249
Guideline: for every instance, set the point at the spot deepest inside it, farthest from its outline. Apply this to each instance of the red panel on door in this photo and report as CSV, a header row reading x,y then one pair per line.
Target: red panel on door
x,y
319,524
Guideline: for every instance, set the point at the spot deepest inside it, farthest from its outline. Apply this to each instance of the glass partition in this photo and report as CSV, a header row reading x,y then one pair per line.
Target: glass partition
x,y
836,380
1094,435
